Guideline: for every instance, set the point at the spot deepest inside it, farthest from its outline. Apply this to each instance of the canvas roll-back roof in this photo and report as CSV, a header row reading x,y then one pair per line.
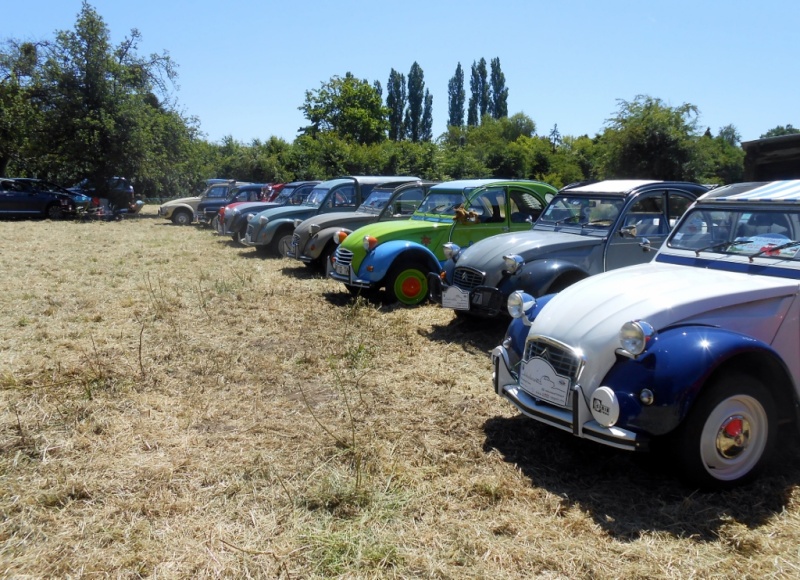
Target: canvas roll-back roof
x,y
777,191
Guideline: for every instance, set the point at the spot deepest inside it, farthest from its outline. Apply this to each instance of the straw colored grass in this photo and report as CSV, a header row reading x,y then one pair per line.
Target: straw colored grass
x,y
174,406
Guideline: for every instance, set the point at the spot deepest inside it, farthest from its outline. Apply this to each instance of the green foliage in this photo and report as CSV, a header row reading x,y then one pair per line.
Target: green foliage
x,y
649,139
456,98
349,107
780,130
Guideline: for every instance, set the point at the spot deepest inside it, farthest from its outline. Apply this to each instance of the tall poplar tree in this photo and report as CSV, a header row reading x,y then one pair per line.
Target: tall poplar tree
x,y
456,98
416,98
474,96
499,95
426,125
396,102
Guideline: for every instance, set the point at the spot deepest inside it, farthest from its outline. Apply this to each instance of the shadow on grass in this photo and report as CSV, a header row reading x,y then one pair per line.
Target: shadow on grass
x,y
629,494
479,333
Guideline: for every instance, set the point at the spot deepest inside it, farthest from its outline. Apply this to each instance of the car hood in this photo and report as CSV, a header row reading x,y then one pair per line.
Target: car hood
x,y
350,220
412,230
588,315
182,200
529,244
289,212
252,206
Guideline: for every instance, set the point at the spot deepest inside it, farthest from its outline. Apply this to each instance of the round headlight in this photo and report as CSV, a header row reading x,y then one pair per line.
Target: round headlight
x,y
370,242
519,303
513,263
263,220
339,236
450,250
633,336
297,222
314,228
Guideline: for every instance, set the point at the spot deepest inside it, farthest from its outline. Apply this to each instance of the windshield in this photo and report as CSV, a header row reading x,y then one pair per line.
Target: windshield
x,y
285,194
317,196
376,201
581,210
442,203
754,232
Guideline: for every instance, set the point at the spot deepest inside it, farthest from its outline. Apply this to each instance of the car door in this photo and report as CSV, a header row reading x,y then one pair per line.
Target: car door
x,y
649,216
487,214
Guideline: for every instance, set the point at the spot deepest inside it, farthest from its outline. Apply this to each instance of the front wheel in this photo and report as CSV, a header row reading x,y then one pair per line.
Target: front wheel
x,y
729,434
407,283
182,218
281,243
54,212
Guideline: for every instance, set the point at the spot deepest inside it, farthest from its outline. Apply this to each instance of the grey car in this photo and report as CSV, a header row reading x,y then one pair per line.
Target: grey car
x,y
586,229
314,242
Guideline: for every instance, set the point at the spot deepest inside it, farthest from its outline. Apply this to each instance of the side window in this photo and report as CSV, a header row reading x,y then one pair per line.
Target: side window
x,y
524,207
345,197
220,191
490,205
408,201
677,206
647,214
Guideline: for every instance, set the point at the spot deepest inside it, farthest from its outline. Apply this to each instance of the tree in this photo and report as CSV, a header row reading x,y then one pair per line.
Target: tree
x,y
396,102
649,139
426,124
350,107
479,93
455,98
780,130
498,106
416,99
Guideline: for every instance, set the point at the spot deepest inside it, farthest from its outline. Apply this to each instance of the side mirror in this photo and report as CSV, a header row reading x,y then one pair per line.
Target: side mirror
x,y
645,245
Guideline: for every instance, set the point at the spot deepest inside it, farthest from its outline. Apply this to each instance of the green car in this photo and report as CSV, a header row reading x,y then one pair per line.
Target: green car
x,y
398,255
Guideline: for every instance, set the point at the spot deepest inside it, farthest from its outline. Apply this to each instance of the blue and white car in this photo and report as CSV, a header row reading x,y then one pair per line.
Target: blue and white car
x,y
695,355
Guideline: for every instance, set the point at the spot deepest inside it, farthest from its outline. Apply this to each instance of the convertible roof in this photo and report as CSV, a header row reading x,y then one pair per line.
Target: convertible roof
x,y
782,191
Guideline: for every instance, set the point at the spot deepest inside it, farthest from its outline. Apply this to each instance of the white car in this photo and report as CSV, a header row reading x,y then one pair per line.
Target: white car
x,y
695,354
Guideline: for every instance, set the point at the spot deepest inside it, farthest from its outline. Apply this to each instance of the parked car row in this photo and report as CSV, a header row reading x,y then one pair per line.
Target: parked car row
x,y
644,315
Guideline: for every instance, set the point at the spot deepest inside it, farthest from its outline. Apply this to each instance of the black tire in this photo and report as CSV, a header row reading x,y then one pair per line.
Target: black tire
x,y
182,217
281,242
407,283
729,433
54,212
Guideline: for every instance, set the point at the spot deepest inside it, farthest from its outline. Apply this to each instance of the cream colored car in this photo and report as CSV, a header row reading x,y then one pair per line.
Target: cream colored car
x,y
183,211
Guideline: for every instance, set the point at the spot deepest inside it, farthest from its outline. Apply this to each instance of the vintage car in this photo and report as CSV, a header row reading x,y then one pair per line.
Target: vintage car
x,y
270,231
693,355
399,255
207,210
182,211
586,229
234,217
313,243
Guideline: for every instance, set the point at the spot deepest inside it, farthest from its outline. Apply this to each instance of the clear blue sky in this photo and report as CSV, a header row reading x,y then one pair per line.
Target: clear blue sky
x,y
244,65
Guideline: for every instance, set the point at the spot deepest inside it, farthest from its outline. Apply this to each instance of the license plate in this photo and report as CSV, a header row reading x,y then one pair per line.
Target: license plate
x,y
455,298
342,269
539,379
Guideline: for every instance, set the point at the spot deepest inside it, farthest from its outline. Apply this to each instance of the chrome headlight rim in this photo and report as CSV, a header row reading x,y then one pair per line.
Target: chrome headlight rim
x,y
451,251
263,220
313,228
513,263
519,303
634,337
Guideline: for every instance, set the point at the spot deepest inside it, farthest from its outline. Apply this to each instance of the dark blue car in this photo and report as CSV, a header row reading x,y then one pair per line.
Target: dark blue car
x,y
30,198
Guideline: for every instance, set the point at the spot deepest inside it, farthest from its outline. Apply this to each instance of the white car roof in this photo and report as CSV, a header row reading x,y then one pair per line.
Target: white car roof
x,y
784,191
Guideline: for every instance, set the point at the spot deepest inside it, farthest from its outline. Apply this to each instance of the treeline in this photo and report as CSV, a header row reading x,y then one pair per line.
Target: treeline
x,y
76,106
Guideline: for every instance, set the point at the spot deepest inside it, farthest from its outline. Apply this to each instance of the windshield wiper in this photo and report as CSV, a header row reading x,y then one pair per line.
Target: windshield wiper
x,y
720,245
770,249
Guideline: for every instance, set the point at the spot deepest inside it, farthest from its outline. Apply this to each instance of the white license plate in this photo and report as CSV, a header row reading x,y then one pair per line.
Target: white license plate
x,y
456,298
539,379
342,269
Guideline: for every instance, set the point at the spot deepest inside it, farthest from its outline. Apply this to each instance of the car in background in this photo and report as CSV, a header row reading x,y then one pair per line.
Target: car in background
x,y
234,217
693,355
313,240
82,202
181,211
207,211
118,193
399,255
28,198
270,231
586,229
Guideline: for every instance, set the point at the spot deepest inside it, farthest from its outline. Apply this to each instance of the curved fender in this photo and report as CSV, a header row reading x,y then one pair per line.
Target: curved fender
x,y
675,367
274,226
321,239
382,257
536,277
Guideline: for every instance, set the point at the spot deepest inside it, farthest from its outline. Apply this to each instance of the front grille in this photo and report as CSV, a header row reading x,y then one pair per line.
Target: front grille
x,y
467,278
343,257
295,240
563,359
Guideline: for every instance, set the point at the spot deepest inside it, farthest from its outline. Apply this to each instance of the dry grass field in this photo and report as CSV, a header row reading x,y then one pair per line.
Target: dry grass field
x,y
174,406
